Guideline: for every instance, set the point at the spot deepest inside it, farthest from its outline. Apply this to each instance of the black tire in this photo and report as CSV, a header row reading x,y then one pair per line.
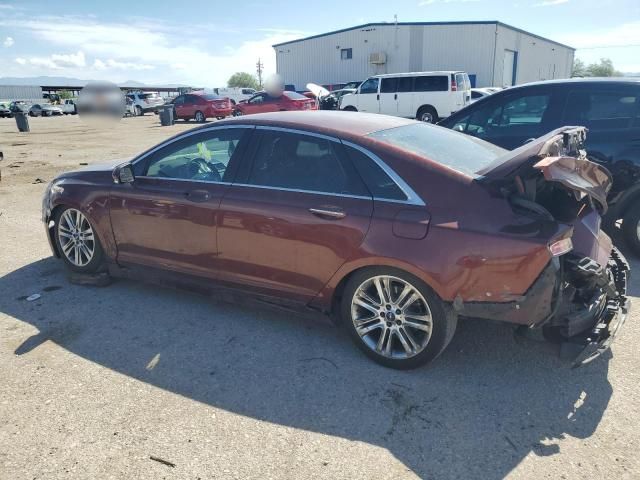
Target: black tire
x,y
237,113
350,109
427,114
219,118
96,262
444,319
199,117
139,111
631,227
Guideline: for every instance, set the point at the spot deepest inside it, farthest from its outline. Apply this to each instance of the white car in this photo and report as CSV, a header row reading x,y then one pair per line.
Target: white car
x,y
235,94
478,93
426,96
144,102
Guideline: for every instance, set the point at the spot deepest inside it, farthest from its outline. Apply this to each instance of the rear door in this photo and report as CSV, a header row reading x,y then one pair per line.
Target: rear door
x,y
368,96
610,112
297,211
405,88
178,107
389,95
167,217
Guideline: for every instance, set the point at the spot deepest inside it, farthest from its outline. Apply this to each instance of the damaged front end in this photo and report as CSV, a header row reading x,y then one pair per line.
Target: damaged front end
x,y
552,181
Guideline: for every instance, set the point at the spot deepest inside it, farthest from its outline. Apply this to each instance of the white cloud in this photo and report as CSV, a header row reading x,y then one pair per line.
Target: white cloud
x,y
117,48
56,61
21,61
550,3
8,42
619,36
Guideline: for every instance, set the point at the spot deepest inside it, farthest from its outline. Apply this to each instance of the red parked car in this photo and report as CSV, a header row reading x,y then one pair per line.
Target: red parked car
x,y
394,226
200,106
263,103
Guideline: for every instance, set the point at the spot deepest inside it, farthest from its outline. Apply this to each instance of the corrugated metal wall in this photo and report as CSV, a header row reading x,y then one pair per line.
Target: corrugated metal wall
x,y
20,92
475,48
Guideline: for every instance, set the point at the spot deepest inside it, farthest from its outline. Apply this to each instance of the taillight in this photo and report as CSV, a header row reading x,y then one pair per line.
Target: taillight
x,y
560,247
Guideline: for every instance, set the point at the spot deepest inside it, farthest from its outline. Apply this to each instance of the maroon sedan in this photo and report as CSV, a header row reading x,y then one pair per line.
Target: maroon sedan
x,y
200,106
264,103
394,226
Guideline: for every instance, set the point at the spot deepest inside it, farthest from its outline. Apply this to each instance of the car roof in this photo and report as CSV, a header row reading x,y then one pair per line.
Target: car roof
x,y
414,74
581,80
329,122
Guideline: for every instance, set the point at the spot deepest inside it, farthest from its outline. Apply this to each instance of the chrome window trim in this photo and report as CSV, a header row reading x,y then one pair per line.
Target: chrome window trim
x,y
412,197
300,132
190,133
295,190
183,180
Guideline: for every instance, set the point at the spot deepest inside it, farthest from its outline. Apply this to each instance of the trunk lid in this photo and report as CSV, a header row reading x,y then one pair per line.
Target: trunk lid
x,y
560,157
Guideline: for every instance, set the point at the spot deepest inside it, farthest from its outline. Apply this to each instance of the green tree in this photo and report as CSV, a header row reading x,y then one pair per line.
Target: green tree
x,y
604,68
243,80
65,94
579,68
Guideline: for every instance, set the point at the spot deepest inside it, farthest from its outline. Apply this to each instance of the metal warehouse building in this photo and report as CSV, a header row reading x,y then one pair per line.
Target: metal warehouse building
x,y
494,54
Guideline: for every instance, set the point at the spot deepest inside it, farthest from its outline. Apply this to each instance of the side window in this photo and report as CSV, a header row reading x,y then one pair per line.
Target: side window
x,y
302,162
257,99
205,157
528,109
389,85
379,183
405,84
179,100
600,109
346,54
437,83
475,95
248,91
460,82
370,85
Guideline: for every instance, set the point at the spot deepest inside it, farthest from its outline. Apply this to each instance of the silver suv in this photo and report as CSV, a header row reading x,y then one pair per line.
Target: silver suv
x,y
144,102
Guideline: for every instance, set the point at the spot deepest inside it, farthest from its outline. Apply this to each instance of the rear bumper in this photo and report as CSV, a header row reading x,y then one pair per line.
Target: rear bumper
x,y
597,340
219,112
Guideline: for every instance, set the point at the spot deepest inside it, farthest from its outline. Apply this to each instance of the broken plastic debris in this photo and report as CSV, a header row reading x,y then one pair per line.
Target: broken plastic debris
x,y
33,297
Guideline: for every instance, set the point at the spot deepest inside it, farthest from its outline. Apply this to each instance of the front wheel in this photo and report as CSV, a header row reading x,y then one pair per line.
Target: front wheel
x,y
631,227
139,111
77,241
237,113
395,318
350,109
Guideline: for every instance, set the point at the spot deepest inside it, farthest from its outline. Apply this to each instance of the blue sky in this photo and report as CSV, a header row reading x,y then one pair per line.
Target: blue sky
x,y
204,42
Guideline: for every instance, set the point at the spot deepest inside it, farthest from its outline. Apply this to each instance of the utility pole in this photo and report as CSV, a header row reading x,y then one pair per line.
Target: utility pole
x,y
259,67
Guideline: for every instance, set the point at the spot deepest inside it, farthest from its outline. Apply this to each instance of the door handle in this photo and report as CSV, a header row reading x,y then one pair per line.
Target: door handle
x,y
378,97
197,195
395,96
333,213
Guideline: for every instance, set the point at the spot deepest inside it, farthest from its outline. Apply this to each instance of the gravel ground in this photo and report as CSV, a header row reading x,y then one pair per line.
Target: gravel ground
x,y
96,381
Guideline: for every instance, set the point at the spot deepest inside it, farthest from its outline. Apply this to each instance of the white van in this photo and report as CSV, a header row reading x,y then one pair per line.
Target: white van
x,y
235,94
426,96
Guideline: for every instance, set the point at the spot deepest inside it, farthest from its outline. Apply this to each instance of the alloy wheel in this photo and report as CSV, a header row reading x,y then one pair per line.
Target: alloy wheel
x,y
199,117
426,117
391,317
76,237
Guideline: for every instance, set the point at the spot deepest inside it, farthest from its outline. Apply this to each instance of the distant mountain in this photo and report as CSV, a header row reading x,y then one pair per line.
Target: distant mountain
x,y
62,81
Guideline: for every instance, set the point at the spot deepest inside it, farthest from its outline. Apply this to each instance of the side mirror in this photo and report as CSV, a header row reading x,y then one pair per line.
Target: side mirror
x,y
123,174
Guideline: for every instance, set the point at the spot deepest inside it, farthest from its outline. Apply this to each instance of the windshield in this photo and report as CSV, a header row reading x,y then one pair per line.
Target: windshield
x,y
463,153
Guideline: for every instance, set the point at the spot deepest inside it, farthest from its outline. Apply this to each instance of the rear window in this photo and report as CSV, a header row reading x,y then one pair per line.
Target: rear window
x,y
149,95
457,151
439,83
212,97
294,96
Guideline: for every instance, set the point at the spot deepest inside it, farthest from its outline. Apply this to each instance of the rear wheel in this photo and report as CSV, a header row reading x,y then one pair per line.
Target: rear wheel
x,y
199,117
139,111
395,318
350,109
631,227
237,113
77,241
427,114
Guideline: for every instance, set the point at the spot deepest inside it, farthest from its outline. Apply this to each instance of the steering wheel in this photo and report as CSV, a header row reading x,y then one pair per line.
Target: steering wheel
x,y
199,169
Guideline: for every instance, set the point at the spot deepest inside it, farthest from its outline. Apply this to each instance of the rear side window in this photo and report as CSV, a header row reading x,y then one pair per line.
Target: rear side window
x,y
405,84
294,95
438,83
388,85
460,83
302,162
378,182
601,110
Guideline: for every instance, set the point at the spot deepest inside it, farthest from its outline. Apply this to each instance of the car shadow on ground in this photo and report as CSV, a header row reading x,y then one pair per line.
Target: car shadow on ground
x,y
490,400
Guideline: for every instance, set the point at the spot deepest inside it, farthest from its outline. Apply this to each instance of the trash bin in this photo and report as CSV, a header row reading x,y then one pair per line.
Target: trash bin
x,y
22,121
166,115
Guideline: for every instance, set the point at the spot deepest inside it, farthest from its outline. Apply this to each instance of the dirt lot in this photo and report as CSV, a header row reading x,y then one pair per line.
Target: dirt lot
x,y
94,382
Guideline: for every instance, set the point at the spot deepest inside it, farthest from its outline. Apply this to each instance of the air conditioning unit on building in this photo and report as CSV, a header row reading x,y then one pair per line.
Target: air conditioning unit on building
x,y
378,58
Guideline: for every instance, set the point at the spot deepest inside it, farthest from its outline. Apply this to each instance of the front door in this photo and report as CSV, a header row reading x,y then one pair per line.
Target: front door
x,y
167,216
389,96
368,96
293,217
